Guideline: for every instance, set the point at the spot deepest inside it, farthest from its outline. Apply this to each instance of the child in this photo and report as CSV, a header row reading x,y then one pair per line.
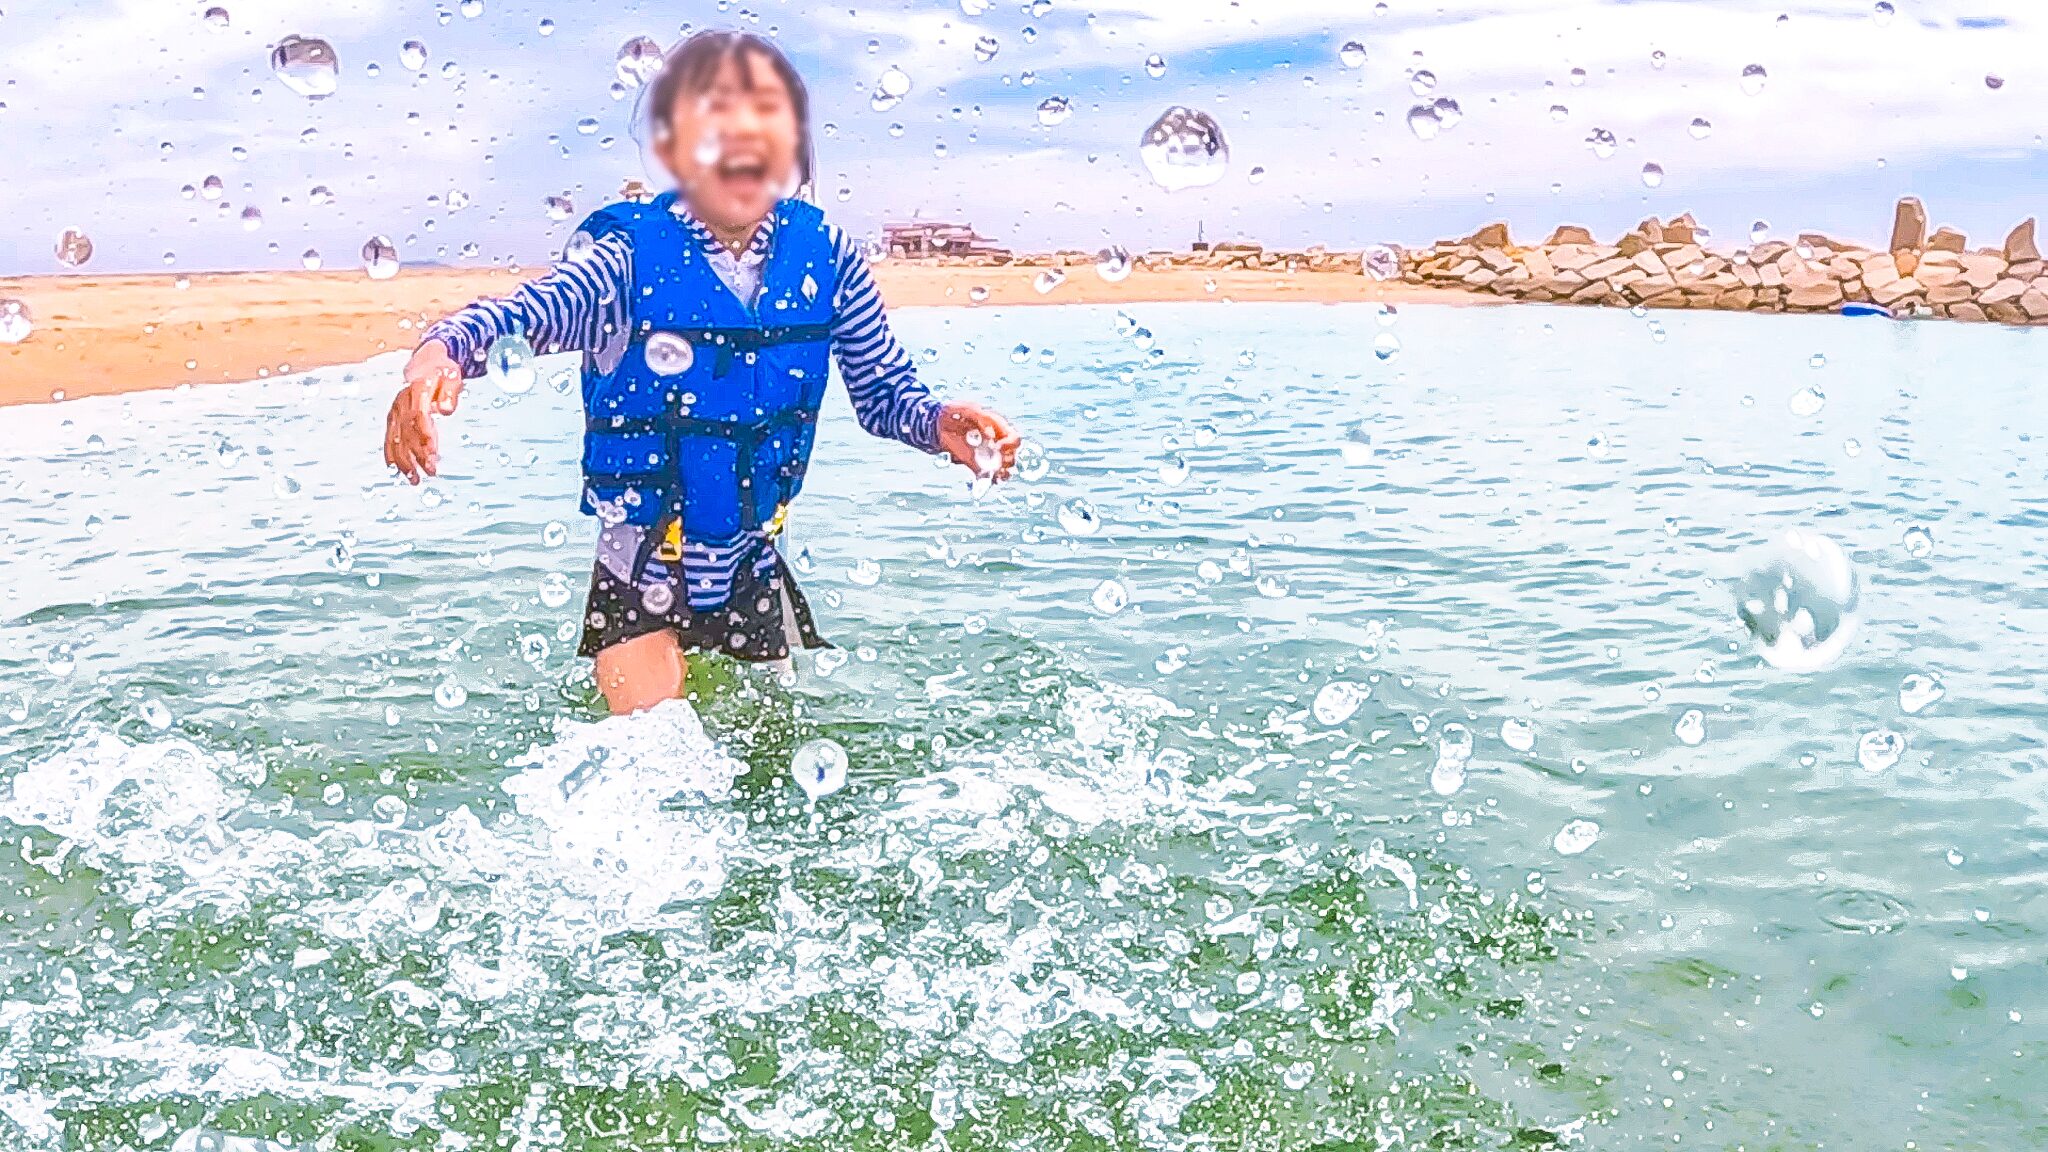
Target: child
x,y
708,320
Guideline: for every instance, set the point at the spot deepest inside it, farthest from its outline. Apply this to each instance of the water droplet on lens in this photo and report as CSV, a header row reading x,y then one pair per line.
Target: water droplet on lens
x,y
985,48
509,365
380,258
1048,280
1453,755
639,61
1917,693
554,590
1518,734
559,207
1918,542
1800,606
307,66
819,768
252,218
1422,82
1994,82
1691,728
1352,54
412,55
1380,262
448,695
865,573
894,82
1808,401
1386,346
1653,175
1184,149
1424,121
1113,263
1701,128
1880,749
74,247
554,534
1337,701
1602,142
1883,13
1753,79
1054,111
669,354
1575,837
16,323
1078,518
1110,597
155,714
1155,66
216,17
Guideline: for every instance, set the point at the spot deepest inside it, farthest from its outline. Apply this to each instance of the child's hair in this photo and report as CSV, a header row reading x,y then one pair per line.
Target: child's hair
x,y
692,67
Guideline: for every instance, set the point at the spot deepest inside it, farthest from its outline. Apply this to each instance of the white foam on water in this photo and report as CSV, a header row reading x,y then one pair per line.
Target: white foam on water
x,y
619,825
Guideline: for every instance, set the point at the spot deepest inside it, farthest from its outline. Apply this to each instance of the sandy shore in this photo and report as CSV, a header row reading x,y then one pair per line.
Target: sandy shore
x,y
96,335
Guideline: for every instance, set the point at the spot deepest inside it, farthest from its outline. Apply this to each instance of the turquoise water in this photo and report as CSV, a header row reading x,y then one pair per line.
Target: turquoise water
x,y
319,835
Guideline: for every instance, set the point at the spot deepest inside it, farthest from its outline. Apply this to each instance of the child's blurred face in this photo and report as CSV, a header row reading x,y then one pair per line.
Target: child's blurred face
x,y
733,147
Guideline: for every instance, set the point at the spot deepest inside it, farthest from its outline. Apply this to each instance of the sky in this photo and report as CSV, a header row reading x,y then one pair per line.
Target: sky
x,y
110,110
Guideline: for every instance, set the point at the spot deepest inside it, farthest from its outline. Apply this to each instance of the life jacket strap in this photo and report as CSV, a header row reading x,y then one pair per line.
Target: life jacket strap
x,y
746,438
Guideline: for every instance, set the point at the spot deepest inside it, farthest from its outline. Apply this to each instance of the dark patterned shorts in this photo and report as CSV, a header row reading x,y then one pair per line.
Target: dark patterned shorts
x,y
765,618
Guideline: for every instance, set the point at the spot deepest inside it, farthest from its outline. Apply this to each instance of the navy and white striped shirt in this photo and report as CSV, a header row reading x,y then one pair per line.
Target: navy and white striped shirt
x,y
583,306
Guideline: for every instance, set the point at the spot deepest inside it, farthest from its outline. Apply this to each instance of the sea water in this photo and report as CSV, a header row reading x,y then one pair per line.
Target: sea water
x,y
318,836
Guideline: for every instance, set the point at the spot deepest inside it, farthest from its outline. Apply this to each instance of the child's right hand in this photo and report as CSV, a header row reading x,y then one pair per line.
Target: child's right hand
x,y
433,383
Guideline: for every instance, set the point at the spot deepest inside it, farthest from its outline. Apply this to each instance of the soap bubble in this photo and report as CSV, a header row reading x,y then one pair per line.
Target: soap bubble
x,y
412,55
1184,148
819,767
1753,79
1800,606
74,247
509,365
1337,701
1880,749
639,61
1917,693
1054,111
1352,54
1113,263
380,259
669,354
1381,262
1110,597
15,322
1575,837
306,66
1453,756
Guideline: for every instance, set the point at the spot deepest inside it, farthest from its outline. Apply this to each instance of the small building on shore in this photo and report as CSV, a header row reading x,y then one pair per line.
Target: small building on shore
x,y
938,238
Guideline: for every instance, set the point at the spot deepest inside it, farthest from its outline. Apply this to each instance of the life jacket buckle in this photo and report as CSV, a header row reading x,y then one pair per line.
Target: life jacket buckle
x,y
670,550
775,526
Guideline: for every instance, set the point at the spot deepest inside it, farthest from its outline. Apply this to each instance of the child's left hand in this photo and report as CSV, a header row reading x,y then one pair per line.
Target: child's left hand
x,y
966,431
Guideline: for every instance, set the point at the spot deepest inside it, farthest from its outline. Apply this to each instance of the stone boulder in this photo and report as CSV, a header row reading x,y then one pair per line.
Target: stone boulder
x,y
1682,230
1494,235
1569,234
1909,225
2019,246
1948,240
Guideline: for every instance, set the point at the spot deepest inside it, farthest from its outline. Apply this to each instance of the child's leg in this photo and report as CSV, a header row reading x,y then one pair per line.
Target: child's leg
x,y
639,673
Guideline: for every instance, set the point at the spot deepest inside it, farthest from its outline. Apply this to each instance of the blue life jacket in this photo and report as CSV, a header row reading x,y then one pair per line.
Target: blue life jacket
x,y
721,445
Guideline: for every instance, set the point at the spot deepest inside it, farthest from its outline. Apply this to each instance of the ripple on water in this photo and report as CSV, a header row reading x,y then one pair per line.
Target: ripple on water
x,y
1863,910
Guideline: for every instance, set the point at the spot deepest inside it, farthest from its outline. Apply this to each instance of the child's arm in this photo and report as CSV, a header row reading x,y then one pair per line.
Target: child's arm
x,y
882,382
580,306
